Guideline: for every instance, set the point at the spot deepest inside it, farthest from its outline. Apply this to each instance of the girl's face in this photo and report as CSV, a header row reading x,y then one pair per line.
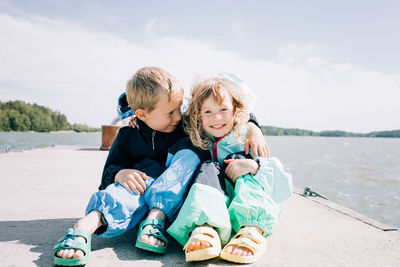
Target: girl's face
x,y
217,119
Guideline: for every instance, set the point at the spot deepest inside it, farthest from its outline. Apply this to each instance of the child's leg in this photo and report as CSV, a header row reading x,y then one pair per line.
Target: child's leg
x,y
121,209
253,206
89,223
167,191
206,203
109,213
251,209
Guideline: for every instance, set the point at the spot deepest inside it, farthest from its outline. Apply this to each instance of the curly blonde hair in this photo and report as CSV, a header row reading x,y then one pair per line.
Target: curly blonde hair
x,y
213,87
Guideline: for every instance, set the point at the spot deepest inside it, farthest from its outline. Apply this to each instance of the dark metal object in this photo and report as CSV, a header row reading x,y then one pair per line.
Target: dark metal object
x,y
309,193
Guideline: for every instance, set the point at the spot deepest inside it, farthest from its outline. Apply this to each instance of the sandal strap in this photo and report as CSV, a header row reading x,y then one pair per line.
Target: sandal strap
x,y
72,232
251,234
156,223
205,230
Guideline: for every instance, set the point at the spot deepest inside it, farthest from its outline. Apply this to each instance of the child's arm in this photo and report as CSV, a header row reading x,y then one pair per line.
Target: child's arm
x,y
118,158
132,180
239,167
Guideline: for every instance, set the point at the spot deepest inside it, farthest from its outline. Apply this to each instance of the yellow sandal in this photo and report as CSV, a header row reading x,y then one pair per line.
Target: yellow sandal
x,y
203,233
249,238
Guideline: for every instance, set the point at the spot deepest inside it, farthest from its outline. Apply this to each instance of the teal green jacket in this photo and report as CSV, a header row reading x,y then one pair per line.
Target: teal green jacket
x,y
271,175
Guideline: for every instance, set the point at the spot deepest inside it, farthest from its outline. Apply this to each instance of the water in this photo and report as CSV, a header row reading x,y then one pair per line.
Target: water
x,y
17,141
362,174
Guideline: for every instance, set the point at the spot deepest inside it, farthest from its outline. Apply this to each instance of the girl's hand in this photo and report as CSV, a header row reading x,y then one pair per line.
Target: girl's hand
x,y
132,180
132,122
239,167
256,141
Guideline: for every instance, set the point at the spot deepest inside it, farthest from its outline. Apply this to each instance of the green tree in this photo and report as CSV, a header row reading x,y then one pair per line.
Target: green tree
x,y
18,121
4,121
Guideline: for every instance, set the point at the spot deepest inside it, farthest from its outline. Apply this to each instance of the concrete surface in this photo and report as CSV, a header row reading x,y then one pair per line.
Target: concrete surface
x,y
45,191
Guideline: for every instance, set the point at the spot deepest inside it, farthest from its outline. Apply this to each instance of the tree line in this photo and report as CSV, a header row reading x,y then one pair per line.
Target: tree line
x,y
21,116
276,131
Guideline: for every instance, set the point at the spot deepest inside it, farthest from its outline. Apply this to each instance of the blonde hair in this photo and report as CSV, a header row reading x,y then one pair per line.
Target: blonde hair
x,y
200,92
143,89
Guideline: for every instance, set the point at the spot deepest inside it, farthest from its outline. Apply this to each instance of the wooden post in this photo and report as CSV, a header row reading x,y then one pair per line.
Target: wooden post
x,y
108,134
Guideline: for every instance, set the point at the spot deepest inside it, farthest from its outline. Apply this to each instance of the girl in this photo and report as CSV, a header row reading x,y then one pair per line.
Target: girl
x,y
233,190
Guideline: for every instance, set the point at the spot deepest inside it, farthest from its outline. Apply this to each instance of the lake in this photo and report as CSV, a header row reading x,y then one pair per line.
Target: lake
x,y
362,174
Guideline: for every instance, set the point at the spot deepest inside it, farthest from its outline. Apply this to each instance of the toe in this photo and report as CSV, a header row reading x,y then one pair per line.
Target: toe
x,y
152,240
205,244
143,238
243,252
190,247
59,253
70,253
78,254
229,249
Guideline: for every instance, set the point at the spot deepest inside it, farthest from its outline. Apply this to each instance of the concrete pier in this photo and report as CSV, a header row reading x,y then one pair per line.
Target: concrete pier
x,y
45,191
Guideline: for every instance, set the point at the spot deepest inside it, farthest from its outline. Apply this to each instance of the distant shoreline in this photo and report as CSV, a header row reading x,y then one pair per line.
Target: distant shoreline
x,y
277,131
271,131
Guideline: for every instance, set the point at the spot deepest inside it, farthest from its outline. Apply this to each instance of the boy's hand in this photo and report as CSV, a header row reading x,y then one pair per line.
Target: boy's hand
x,y
256,141
239,167
132,122
132,180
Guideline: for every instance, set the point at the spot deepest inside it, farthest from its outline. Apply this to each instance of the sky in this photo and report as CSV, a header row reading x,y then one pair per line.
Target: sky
x,y
316,65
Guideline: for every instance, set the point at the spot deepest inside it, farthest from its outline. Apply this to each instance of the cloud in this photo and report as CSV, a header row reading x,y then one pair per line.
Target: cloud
x,y
80,73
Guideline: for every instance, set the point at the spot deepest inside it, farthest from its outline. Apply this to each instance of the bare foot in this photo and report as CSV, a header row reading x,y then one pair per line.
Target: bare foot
x,y
88,223
239,250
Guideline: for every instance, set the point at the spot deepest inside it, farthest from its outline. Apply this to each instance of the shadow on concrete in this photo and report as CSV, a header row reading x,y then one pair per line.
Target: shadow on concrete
x,y
43,234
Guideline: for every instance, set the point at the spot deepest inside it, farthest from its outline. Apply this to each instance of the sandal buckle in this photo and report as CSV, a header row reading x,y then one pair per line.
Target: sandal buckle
x,y
155,232
67,243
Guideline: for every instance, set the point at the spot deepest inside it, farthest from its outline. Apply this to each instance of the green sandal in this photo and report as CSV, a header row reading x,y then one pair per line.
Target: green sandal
x,y
157,232
68,242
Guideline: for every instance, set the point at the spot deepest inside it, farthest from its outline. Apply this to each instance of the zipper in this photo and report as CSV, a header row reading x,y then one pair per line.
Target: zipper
x,y
152,138
215,147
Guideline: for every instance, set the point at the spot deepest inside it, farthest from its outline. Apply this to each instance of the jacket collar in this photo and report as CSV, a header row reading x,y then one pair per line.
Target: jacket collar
x,y
143,127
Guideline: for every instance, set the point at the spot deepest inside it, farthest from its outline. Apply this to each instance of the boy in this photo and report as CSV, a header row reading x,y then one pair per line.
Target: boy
x,y
148,169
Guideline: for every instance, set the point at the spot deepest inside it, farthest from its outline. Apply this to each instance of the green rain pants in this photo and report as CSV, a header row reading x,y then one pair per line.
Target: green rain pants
x,y
213,200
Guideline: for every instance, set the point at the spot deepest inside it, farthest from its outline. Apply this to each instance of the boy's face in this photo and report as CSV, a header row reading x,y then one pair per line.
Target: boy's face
x,y
166,115
217,119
